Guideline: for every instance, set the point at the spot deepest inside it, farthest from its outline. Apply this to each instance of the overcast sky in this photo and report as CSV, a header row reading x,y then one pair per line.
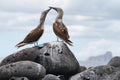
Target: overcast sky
x,y
93,25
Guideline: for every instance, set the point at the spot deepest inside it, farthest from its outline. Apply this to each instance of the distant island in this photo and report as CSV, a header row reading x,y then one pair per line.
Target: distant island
x,y
101,58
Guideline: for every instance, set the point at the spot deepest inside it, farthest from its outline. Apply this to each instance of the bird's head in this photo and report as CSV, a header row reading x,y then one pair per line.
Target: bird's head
x,y
44,13
59,11
56,9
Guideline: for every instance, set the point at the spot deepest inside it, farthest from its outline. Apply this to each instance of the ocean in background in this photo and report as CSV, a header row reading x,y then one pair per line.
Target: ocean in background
x,y
91,63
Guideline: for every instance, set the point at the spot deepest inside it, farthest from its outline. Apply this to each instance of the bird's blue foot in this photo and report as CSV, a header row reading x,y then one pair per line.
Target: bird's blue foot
x,y
57,39
40,45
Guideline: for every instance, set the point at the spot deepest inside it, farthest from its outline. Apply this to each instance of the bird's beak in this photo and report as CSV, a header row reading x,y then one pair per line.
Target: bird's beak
x,y
48,10
53,8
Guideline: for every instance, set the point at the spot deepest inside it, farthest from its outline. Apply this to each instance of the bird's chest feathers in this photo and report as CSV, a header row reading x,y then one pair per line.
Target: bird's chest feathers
x,y
59,26
59,20
59,23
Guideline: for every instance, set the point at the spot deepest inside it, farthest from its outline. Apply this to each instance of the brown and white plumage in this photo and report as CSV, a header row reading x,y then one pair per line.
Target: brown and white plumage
x,y
59,28
36,33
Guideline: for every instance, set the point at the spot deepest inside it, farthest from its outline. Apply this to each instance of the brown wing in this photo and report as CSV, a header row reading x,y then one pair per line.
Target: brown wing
x,y
65,30
33,36
60,30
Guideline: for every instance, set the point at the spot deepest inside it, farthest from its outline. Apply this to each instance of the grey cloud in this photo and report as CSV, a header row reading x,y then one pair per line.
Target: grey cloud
x,y
99,29
25,6
108,9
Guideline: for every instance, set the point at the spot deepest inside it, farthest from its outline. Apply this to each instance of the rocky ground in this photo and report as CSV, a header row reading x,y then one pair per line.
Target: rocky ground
x,y
54,61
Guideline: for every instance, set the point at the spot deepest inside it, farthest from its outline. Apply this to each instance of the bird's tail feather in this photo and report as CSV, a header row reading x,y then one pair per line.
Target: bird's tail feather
x,y
69,42
20,44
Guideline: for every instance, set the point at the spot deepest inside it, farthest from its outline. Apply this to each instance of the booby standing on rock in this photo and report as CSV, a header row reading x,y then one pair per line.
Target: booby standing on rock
x,y
35,34
59,28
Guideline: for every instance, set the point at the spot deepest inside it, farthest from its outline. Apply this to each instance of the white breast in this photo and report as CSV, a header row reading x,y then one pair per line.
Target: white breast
x,y
59,20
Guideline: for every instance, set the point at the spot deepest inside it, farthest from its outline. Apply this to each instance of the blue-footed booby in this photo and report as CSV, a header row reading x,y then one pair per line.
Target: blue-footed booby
x,y
36,33
59,27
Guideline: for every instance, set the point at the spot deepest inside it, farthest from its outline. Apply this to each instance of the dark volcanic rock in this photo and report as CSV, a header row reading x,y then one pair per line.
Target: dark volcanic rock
x,y
51,77
62,77
54,56
85,75
96,73
58,59
82,68
111,71
99,70
117,76
18,78
25,54
114,62
29,69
